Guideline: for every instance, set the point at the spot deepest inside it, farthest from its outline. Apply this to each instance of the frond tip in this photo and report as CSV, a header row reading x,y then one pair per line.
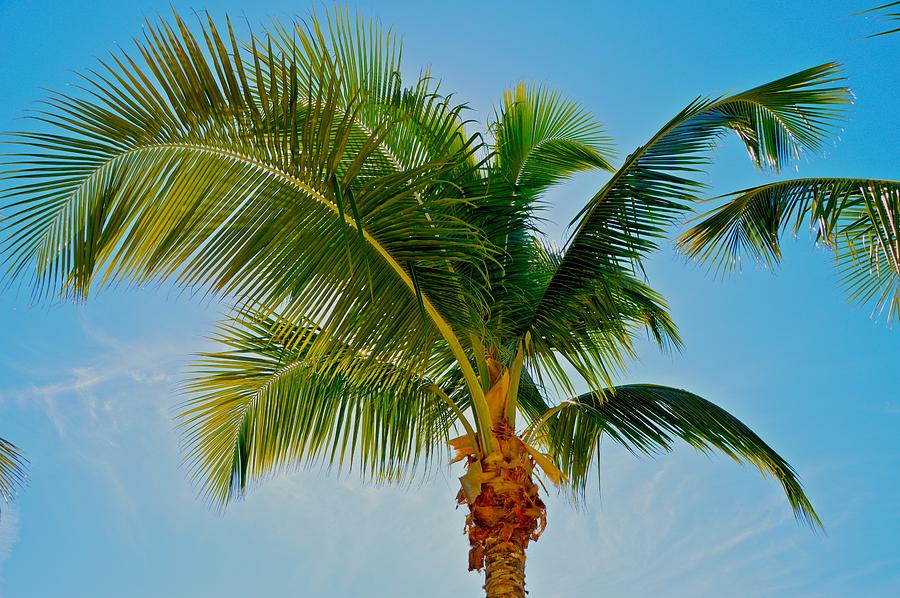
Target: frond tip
x,y
659,183
646,418
541,138
889,11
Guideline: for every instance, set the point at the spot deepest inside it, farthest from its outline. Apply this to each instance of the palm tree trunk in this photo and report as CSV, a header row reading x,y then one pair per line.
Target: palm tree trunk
x,y
504,569
505,516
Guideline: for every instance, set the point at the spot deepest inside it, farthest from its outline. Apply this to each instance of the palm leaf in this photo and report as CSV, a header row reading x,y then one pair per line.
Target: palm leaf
x,y
531,400
646,419
656,185
12,469
857,218
541,138
890,11
368,57
602,324
261,174
259,406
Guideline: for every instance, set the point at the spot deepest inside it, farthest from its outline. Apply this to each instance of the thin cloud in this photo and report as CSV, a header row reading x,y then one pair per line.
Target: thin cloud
x,y
141,363
891,408
9,533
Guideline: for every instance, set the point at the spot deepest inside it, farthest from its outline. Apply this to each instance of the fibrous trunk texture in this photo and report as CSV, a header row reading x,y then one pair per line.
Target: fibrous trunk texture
x,y
504,569
505,516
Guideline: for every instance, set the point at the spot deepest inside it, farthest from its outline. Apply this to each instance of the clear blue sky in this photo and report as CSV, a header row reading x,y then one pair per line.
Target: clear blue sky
x,y
88,391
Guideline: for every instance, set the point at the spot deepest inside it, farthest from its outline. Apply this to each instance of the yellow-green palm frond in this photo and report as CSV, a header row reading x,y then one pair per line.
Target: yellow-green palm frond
x,y
12,469
271,172
258,406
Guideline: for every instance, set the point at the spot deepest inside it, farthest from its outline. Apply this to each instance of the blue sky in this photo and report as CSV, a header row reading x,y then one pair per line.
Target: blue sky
x,y
89,391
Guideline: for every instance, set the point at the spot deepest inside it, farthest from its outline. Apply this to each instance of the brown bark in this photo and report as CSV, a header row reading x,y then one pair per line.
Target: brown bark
x,y
504,569
505,516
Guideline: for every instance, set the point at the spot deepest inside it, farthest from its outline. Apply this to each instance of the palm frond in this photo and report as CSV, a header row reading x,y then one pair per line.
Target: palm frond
x,y
427,125
857,218
655,186
531,401
890,11
541,138
647,419
597,331
12,469
259,172
259,407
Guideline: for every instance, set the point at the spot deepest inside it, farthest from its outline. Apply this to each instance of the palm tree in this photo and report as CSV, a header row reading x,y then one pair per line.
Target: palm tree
x,y
388,285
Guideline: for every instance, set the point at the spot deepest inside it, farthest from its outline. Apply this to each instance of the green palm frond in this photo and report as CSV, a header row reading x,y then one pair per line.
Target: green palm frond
x,y
656,185
891,12
531,403
258,407
601,324
261,172
427,125
540,138
12,469
647,419
857,218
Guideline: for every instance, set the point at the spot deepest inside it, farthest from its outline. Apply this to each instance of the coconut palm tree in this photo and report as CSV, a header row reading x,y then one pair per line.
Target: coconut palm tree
x,y
390,294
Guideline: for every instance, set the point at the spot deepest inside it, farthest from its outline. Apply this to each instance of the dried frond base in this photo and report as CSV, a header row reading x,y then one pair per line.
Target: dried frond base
x,y
505,516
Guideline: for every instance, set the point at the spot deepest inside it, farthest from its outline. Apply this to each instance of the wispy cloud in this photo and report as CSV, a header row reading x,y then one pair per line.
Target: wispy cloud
x,y
680,525
94,405
110,365
9,533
